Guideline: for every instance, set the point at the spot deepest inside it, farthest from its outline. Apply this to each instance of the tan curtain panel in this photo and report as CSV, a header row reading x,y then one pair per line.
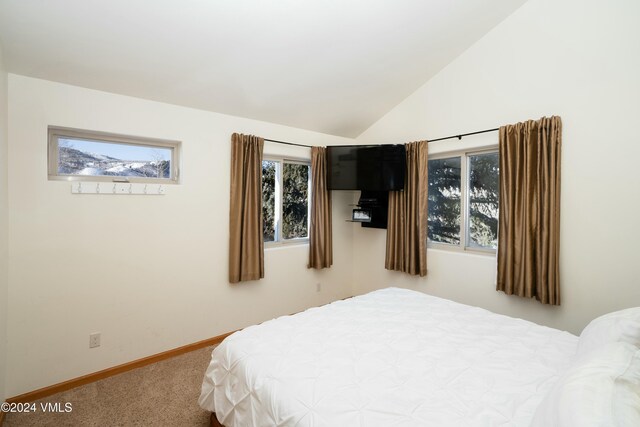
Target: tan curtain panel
x,y
407,223
320,240
529,224
246,249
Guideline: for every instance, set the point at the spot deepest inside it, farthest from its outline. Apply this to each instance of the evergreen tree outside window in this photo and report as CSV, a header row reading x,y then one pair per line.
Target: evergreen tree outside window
x,y
482,201
269,200
444,200
295,200
463,201
285,200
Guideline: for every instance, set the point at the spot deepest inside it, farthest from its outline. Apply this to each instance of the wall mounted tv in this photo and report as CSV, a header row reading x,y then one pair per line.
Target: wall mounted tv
x,y
366,167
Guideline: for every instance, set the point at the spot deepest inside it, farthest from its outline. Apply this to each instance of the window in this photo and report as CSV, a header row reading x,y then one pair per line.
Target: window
x,y
444,200
97,156
285,200
463,201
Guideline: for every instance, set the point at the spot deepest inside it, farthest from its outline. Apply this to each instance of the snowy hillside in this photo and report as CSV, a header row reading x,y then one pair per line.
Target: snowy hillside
x,y
77,162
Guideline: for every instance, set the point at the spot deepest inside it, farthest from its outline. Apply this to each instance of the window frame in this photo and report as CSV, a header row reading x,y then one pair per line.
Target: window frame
x,y
465,170
54,133
279,189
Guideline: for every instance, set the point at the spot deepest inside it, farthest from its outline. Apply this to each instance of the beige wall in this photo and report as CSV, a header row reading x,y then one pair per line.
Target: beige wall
x,y
4,231
577,59
149,273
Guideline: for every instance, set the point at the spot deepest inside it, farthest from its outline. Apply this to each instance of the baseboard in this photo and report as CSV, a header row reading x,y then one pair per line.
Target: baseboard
x,y
96,376
109,372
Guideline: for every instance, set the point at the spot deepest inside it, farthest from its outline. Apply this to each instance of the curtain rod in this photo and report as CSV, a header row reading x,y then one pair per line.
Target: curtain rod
x,y
429,140
463,134
287,143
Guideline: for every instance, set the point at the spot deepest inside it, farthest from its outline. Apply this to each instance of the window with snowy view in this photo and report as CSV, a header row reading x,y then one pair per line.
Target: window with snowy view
x,y
116,157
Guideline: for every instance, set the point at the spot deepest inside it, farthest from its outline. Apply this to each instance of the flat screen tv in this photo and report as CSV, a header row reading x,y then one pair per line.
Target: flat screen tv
x,y
366,167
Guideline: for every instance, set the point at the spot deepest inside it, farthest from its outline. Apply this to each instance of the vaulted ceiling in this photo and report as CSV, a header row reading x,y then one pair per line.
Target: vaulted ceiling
x,y
333,66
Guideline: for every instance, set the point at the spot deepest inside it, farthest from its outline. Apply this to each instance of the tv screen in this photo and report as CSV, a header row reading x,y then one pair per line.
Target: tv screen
x,y
366,167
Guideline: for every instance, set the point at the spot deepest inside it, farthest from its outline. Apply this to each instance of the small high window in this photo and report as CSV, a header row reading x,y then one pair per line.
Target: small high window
x,y
97,156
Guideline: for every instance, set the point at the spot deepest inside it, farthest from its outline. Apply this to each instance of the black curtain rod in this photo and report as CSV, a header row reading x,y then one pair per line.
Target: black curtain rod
x,y
287,143
464,134
430,140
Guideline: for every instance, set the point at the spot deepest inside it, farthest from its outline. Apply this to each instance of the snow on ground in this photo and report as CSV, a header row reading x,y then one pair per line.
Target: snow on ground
x,y
91,171
121,170
137,165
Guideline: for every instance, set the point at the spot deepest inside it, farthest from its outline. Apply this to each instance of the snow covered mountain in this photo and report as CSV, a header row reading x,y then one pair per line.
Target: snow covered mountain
x,y
72,161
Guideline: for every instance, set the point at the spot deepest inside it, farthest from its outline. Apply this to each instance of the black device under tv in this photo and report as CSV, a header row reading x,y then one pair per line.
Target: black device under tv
x,y
366,167
377,203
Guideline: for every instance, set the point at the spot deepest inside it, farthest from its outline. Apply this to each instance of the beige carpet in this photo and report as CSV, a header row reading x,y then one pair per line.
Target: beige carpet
x,y
163,394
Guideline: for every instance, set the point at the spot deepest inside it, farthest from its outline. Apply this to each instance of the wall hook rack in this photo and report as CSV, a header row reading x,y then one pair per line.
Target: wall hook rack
x,y
109,188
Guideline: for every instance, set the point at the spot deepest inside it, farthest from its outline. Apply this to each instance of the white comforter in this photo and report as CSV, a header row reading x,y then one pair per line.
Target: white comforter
x,y
393,357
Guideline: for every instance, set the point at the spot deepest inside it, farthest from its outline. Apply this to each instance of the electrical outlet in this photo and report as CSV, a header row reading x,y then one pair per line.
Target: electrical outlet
x,y
318,287
94,340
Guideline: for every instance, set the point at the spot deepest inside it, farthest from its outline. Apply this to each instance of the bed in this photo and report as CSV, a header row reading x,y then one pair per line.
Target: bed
x,y
394,357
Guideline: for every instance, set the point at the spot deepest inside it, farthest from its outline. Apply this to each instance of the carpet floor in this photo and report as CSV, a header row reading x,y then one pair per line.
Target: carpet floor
x,y
162,394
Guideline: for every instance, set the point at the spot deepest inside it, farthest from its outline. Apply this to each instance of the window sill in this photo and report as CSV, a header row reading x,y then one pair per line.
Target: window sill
x,y
462,251
286,244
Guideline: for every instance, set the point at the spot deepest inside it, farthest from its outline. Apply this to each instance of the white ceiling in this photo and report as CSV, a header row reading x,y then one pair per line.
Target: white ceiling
x,y
333,66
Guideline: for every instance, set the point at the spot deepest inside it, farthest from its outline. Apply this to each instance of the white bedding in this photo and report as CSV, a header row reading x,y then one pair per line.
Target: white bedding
x,y
392,357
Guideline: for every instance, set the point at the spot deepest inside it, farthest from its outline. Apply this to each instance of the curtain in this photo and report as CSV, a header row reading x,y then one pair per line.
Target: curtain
x,y
320,240
407,223
529,223
246,249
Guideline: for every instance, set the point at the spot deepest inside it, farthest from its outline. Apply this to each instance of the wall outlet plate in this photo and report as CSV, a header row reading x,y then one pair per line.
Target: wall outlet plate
x,y
94,340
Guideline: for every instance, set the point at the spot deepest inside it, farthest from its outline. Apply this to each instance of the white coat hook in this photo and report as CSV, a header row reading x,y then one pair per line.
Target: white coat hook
x,y
117,188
